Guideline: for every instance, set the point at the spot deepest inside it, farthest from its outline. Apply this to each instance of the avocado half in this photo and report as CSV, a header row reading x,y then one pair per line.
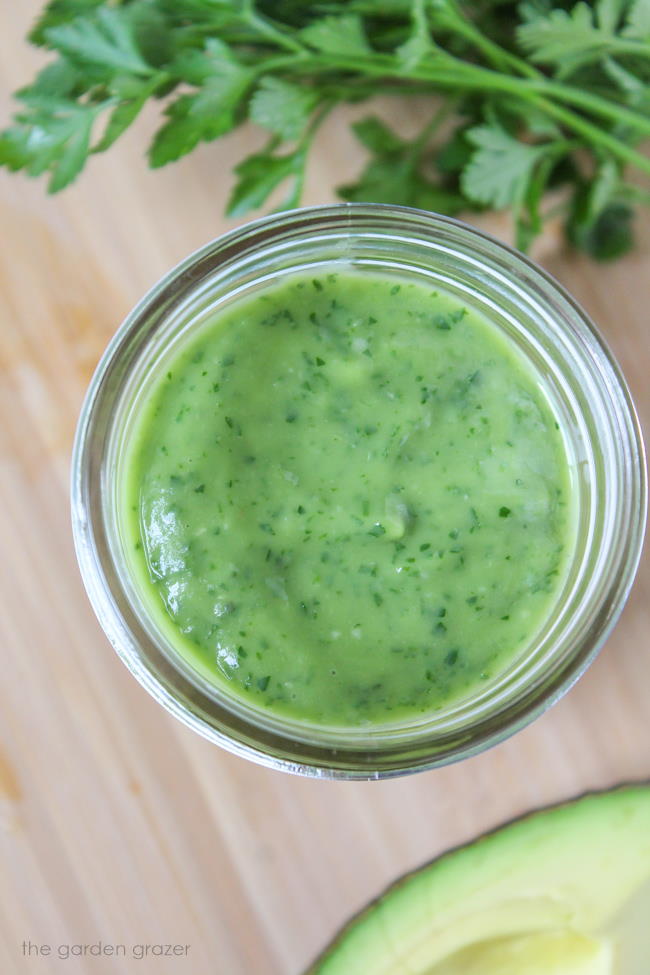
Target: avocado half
x,y
562,891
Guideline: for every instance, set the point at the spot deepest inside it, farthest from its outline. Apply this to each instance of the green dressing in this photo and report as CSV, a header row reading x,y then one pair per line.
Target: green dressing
x,y
347,500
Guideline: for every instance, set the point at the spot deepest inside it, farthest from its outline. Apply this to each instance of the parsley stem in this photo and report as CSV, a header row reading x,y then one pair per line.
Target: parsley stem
x,y
498,56
622,45
267,29
571,94
455,20
456,74
635,194
443,112
596,104
595,135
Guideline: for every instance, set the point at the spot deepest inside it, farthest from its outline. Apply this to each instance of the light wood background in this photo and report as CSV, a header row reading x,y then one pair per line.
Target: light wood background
x,y
116,823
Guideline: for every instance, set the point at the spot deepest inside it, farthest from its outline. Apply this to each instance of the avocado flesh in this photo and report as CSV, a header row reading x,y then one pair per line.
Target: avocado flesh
x,y
552,953
568,887
631,935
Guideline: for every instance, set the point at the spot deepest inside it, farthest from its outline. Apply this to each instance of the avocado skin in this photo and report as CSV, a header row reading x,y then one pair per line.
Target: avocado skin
x,y
641,786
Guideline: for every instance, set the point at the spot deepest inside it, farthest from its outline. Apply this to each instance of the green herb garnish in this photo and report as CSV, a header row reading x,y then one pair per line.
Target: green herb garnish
x,y
532,96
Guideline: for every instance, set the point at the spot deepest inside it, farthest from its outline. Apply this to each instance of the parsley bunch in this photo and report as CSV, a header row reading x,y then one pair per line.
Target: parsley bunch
x,y
531,95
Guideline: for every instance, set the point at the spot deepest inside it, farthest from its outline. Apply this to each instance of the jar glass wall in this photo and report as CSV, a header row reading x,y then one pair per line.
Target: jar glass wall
x,y
572,364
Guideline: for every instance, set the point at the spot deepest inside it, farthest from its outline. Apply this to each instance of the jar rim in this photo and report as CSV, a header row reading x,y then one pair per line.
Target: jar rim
x,y
88,483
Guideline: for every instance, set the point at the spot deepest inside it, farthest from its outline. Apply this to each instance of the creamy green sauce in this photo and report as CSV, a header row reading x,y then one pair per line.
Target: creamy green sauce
x,y
347,500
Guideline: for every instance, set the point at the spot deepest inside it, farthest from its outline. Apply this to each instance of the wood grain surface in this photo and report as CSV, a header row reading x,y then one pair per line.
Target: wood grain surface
x,y
116,823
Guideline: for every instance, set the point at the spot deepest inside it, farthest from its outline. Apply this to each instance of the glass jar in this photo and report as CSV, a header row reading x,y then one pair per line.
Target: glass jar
x,y
581,380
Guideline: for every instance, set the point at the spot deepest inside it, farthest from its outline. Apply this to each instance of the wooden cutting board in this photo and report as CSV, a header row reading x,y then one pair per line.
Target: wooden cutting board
x,y
116,823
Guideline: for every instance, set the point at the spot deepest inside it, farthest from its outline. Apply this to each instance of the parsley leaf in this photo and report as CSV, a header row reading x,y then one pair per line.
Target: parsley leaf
x,y
377,137
609,13
413,51
342,36
570,39
607,237
638,21
499,171
561,36
388,181
210,112
260,174
59,79
281,107
56,138
133,94
599,221
58,12
105,39
396,174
